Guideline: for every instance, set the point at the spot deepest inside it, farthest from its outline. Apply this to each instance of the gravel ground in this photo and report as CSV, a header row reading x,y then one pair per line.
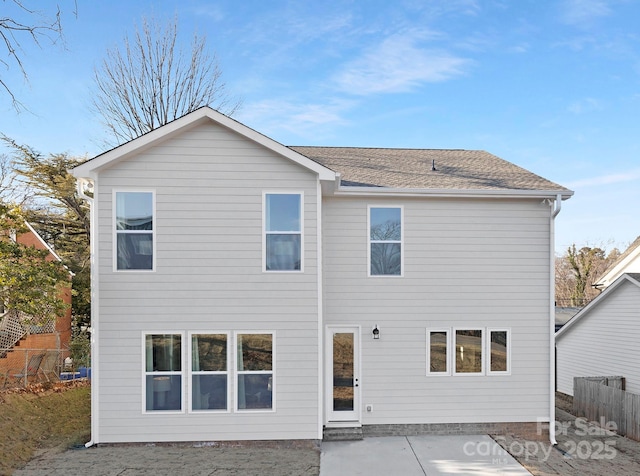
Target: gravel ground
x,y
583,449
158,460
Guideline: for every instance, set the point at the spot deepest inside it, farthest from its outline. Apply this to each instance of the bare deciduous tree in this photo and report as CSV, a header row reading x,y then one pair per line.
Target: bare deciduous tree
x,y
149,82
577,270
36,26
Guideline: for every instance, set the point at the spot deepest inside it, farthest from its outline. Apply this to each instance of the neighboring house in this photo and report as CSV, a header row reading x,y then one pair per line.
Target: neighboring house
x,y
627,262
17,336
602,339
244,290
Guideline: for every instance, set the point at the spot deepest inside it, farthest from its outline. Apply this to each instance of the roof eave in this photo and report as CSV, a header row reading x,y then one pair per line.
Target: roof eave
x,y
450,193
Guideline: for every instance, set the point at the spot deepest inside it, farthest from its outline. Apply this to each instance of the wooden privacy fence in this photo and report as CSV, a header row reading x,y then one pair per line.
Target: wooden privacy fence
x,y
604,398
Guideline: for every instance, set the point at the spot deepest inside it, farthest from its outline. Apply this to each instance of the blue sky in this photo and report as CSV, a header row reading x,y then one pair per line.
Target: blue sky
x,y
553,86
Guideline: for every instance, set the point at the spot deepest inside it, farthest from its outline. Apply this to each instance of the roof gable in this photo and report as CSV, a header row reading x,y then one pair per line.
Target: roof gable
x,y
186,122
633,278
628,261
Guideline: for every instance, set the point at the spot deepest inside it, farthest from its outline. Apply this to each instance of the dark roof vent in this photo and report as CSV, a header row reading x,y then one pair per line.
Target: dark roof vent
x,y
433,165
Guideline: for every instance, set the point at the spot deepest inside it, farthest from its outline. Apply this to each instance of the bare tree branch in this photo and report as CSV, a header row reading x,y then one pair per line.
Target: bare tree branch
x,y
36,27
149,81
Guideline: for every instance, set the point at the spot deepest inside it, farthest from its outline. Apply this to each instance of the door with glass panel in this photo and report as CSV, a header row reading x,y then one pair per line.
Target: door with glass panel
x,y
343,374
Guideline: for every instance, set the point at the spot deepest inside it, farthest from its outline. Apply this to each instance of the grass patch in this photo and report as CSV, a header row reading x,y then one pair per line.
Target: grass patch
x,y
50,417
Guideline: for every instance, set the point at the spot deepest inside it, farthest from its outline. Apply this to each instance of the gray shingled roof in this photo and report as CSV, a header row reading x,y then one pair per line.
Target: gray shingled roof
x,y
412,168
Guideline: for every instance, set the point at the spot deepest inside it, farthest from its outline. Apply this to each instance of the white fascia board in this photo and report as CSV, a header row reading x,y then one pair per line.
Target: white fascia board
x,y
451,193
619,268
571,322
197,117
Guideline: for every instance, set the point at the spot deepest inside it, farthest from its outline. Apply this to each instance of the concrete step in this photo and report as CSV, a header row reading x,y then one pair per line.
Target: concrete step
x,y
342,434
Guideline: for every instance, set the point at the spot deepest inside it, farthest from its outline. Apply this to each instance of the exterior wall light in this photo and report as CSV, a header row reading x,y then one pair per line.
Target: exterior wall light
x,y
376,332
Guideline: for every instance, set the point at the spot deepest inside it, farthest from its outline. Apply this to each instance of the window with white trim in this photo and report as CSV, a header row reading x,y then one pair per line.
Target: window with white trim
x,y
163,372
438,352
254,371
498,342
385,241
209,372
469,351
282,237
134,230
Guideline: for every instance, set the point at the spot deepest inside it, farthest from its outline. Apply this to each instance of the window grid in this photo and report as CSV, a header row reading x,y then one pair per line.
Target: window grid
x,y
122,247
380,263
272,231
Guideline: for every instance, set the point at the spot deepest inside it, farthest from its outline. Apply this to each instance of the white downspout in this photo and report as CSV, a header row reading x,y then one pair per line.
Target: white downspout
x,y
557,206
319,277
82,185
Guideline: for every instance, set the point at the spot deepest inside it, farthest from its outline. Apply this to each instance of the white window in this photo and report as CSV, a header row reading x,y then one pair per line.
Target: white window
x,y
255,371
134,230
282,237
163,372
209,359
438,352
469,346
499,345
385,241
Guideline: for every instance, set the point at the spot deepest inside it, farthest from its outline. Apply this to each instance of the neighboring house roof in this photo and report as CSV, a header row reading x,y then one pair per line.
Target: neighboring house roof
x,y
414,169
39,243
356,169
565,314
627,261
633,278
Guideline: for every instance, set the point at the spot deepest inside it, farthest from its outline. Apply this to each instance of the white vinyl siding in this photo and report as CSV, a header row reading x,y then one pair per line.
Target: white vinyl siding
x,y
209,185
604,342
468,264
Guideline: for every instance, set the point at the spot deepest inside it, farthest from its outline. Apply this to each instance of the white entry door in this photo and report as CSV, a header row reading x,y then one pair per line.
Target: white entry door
x,y
343,374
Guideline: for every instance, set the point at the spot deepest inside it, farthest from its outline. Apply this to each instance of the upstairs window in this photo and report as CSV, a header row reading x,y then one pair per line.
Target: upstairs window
x,y
282,232
385,241
134,230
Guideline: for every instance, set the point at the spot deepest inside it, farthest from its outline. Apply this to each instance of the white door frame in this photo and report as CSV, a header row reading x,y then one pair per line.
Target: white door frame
x,y
338,418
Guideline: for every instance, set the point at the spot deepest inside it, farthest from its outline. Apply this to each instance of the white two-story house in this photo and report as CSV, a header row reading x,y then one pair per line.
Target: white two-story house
x,y
244,290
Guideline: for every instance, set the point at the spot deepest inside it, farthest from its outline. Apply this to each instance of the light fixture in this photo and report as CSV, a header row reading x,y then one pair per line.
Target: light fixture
x,y
376,332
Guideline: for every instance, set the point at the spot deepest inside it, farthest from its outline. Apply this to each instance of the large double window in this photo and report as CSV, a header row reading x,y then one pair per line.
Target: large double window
x,y
282,237
134,230
385,241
